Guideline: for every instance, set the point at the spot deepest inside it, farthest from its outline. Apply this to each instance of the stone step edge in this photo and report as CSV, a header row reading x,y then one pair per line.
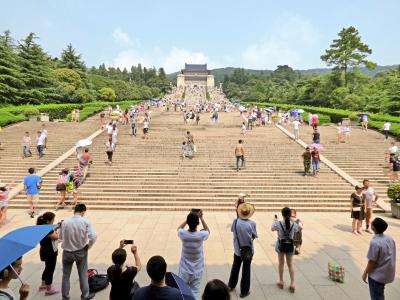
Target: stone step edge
x,y
383,205
20,187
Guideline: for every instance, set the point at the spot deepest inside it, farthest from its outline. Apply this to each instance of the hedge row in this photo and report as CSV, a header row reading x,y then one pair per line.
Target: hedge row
x,y
336,115
14,114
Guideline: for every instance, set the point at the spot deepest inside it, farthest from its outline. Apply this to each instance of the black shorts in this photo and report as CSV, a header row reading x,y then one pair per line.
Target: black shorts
x,y
61,187
145,130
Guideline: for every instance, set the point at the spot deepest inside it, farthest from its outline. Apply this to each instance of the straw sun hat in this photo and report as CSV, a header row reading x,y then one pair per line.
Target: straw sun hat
x,y
245,210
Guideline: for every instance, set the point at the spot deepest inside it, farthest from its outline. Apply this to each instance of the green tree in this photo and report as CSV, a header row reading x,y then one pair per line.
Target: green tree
x,y
107,94
348,52
36,69
10,75
71,60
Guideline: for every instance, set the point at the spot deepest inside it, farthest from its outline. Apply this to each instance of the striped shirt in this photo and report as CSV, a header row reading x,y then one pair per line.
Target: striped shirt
x,y
192,258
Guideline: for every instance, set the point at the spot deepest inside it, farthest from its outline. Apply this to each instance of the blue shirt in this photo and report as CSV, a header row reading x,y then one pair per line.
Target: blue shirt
x,y
157,293
247,232
31,182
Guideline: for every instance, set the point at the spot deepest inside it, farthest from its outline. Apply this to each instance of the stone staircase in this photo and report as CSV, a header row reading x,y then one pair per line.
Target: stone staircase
x,y
150,174
61,137
362,157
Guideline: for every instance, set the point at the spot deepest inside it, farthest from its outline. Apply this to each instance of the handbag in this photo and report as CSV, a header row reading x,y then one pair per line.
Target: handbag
x,y
97,282
246,252
336,272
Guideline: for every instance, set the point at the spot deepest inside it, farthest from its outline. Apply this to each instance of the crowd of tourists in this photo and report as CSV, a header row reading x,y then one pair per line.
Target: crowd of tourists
x,y
77,236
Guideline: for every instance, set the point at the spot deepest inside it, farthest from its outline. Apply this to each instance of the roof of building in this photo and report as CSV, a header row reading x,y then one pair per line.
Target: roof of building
x,y
195,68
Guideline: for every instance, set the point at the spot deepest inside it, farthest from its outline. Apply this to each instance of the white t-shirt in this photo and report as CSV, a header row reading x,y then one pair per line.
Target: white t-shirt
x,y
370,196
41,140
109,129
386,126
192,258
296,124
394,149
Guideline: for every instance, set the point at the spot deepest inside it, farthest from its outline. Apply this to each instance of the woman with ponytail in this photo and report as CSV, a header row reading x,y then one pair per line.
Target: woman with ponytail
x,y
285,245
48,254
121,276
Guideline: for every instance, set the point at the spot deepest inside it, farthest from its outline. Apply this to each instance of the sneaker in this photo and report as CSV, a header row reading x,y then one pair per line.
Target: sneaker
x,y
32,214
52,291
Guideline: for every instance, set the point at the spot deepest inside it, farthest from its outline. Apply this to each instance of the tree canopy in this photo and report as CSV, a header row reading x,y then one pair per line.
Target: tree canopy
x,y
29,75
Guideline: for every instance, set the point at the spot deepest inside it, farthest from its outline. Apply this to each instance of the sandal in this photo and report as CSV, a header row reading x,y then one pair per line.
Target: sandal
x,y
280,285
291,289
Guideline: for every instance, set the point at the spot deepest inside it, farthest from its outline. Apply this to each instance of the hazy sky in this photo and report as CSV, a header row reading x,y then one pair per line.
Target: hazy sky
x,y
241,33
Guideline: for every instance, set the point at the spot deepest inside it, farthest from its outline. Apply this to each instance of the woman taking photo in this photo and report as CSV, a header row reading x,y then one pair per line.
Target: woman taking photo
x,y
357,209
48,254
120,275
285,245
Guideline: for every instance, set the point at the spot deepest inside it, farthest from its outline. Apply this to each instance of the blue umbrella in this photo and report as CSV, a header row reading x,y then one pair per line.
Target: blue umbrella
x,y
175,281
20,241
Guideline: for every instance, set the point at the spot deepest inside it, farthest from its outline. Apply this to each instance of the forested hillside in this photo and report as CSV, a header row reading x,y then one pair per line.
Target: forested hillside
x,y
28,75
346,86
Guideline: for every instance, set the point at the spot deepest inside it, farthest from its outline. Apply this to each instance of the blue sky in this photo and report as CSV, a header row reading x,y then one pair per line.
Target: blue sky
x,y
258,34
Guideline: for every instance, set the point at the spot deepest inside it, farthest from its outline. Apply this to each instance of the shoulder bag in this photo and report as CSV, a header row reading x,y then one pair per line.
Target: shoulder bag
x,y
246,252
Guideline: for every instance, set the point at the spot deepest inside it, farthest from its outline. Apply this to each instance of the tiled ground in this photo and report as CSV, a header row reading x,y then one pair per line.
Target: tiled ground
x,y
327,238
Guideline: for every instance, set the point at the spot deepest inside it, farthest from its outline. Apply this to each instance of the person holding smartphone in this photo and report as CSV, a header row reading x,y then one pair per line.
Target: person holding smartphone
x,y
191,265
120,275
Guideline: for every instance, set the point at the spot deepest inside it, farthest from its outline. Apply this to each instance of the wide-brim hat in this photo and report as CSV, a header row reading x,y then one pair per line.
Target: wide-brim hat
x,y
245,210
243,195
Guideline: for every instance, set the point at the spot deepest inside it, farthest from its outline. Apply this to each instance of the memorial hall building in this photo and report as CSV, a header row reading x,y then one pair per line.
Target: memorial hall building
x,y
195,75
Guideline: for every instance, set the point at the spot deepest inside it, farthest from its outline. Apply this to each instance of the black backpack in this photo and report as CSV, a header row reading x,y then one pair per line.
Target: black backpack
x,y
286,244
97,282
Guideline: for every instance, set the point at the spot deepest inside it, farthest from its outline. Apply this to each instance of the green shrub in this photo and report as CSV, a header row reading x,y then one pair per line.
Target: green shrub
x,y
31,112
7,118
354,117
393,192
322,119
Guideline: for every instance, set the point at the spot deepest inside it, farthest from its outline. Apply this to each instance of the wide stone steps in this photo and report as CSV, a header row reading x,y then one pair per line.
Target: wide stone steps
x,y
150,175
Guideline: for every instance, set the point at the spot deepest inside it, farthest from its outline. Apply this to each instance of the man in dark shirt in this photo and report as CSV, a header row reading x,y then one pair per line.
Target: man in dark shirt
x,y
157,290
307,161
395,166
316,136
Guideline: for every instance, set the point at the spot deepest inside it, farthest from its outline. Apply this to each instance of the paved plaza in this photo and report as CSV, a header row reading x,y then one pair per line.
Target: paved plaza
x,y
327,238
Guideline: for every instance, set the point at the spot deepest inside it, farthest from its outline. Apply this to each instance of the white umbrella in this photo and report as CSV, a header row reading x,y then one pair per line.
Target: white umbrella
x,y
83,143
300,111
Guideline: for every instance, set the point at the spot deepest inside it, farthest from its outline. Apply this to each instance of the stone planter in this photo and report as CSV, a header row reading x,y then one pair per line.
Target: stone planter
x,y
395,209
33,118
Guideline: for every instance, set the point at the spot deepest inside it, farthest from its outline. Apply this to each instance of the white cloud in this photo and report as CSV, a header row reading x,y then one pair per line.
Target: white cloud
x,y
129,58
172,61
290,37
177,57
122,37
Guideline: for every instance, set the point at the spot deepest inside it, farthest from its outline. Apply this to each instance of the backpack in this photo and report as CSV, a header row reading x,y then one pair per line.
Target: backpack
x,y
97,282
286,243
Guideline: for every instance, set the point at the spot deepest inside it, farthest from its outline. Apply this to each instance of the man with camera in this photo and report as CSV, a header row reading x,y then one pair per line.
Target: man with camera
x,y
77,237
191,265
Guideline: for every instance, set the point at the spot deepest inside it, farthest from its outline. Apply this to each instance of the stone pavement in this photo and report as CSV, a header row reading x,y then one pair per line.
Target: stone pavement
x,y
327,238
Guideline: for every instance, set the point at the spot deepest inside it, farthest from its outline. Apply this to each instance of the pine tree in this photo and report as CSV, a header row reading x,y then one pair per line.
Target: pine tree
x,y
69,59
10,75
36,70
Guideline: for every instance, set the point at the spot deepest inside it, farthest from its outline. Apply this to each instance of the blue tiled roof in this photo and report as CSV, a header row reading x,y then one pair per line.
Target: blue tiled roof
x,y
195,68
